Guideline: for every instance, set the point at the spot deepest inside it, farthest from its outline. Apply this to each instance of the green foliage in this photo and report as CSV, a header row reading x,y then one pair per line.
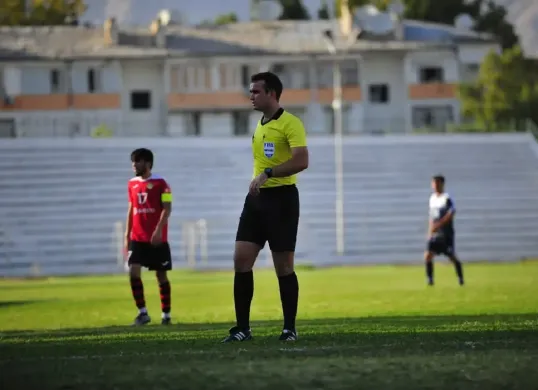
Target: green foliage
x,y
505,95
494,22
41,12
438,11
226,19
323,11
293,10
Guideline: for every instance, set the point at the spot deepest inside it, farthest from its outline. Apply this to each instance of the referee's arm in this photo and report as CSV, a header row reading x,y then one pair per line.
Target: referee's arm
x,y
296,136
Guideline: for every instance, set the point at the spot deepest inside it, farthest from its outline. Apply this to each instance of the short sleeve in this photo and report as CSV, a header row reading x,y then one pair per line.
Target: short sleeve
x,y
450,207
166,194
296,134
129,196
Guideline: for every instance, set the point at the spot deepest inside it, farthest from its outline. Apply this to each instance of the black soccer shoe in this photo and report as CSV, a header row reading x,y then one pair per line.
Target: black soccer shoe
x,y
288,335
238,334
166,321
142,319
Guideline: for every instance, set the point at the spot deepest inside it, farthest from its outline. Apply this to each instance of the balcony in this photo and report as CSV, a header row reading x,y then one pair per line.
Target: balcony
x,y
62,102
432,91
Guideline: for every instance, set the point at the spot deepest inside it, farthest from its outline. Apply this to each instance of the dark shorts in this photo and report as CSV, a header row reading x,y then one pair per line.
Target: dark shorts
x,y
442,245
153,257
273,217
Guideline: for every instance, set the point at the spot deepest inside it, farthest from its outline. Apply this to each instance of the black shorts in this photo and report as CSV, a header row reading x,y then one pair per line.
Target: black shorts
x,y
271,216
153,257
442,245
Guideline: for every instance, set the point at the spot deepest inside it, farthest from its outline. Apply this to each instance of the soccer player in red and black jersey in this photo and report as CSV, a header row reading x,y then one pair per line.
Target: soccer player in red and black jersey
x,y
146,233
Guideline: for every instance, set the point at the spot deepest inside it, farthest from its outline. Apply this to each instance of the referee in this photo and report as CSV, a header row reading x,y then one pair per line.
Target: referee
x,y
271,209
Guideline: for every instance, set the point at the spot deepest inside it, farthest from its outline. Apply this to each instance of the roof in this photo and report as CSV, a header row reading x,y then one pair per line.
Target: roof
x,y
62,42
523,14
274,37
415,30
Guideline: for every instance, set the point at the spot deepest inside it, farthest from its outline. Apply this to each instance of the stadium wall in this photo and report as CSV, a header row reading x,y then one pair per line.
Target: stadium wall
x,y
64,200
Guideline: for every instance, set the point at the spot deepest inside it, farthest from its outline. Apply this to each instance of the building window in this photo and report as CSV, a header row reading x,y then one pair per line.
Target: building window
x,y
245,76
473,68
283,72
379,93
431,74
140,100
55,81
196,78
92,81
433,117
350,73
241,120
329,119
324,74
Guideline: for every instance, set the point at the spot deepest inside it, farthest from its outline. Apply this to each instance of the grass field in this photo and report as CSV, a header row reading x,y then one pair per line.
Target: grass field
x,y
360,328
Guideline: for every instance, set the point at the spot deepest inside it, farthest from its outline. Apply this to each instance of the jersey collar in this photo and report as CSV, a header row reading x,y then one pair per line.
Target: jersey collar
x,y
275,116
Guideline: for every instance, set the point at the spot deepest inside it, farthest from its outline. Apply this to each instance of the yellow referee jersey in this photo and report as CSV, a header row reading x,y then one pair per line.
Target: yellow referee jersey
x,y
272,143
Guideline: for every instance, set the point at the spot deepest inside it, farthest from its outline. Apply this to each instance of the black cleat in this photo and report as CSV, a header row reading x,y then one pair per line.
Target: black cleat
x,y
142,319
288,335
238,334
166,321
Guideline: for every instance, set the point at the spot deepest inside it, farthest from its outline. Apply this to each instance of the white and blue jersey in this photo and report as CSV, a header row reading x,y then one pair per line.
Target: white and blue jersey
x,y
442,241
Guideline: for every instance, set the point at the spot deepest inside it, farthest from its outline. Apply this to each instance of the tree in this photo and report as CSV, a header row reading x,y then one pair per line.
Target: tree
x,y
439,11
11,12
489,16
505,95
226,19
493,20
293,10
323,11
41,12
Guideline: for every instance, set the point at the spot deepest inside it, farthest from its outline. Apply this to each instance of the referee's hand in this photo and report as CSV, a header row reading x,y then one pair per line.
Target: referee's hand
x,y
256,183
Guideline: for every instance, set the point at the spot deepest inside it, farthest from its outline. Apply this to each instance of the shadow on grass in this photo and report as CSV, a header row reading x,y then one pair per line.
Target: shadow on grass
x,y
386,353
6,304
342,337
351,324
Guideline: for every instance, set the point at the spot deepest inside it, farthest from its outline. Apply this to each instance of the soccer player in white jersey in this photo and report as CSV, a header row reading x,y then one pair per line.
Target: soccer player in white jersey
x,y
441,235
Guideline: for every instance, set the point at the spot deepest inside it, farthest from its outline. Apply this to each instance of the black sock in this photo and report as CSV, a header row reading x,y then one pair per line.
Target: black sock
x,y
137,289
243,292
165,293
429,271
289,295
459,269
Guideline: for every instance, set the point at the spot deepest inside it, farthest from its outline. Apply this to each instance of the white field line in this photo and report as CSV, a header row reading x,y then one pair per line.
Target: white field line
x,y
467,344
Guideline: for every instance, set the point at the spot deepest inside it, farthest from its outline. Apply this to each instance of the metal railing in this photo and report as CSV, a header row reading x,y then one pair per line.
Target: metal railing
x,y
194,241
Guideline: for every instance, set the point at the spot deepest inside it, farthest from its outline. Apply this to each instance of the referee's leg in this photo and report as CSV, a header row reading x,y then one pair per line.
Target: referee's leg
x,y
282,239
248,243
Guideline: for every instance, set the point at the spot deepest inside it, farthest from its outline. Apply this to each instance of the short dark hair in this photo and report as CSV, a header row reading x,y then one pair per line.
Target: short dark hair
x,y
142,154
272,82
439,179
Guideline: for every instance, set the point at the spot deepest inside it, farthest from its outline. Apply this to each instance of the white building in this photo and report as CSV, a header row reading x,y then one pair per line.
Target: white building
x,y
176,80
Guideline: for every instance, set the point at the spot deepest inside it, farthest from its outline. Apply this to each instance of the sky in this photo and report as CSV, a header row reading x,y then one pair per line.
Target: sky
x,y
143,11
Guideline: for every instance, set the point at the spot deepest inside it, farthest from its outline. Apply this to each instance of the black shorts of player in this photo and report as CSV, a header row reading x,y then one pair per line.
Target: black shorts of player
x,y
153,257
271,216
442,245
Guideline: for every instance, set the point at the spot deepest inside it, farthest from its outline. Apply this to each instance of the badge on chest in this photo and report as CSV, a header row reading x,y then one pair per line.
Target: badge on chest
x,y
268,149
